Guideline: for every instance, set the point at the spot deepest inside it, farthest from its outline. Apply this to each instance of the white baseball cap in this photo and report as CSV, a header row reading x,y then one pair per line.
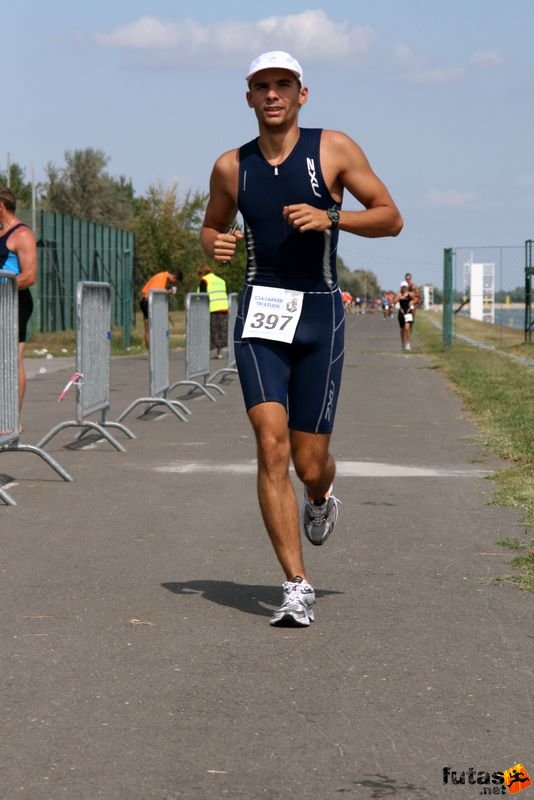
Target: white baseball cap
x,y
404,283
276,59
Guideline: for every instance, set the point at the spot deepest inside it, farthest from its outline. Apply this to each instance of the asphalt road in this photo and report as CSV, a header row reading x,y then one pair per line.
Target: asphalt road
x,y
137,658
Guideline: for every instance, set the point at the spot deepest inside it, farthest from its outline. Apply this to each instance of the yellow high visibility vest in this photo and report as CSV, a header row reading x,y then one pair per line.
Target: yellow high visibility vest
x,y
217,292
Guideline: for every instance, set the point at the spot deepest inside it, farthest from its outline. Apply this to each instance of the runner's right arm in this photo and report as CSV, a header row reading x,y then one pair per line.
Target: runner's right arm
x,y
221,210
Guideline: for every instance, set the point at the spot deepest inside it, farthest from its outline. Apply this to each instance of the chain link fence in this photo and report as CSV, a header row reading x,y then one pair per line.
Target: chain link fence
x,y
71,250
488,284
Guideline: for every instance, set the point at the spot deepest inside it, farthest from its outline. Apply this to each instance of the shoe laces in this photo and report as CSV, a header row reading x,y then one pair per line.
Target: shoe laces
x,y
318,512
293,590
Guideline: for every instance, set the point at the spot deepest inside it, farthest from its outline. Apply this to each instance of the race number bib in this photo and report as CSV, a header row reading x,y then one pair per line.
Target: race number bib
x,y
273,314
408,317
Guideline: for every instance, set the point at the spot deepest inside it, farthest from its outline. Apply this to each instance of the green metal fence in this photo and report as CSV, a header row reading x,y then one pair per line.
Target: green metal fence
x,y
487,283
529,272
72,250
447,297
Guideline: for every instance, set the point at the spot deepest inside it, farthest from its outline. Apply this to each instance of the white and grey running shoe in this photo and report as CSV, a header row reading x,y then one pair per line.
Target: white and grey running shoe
x,y
319,519
297,606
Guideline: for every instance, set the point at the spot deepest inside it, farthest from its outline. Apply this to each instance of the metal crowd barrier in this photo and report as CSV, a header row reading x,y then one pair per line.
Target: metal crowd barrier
x,y
158,359
9,380
230,368
197,345
93,364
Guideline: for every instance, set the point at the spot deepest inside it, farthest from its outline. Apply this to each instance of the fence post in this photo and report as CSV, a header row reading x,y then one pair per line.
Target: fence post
x,y
447,296
93,356
529,271
127,311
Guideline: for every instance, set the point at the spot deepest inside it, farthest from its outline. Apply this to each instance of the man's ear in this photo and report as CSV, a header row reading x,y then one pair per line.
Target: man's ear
x,y
303,95
248,99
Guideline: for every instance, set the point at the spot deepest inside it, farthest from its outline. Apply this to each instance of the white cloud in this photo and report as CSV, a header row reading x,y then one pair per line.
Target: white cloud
x,y
310,35
313,33
525,180
487,58
417,68
450,198
147,32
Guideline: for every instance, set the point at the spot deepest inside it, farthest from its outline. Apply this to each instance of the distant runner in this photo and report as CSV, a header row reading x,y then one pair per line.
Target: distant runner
x,y
406,315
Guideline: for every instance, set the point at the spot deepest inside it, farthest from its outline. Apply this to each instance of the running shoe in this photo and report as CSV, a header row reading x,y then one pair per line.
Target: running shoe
x,y
297,606
319,519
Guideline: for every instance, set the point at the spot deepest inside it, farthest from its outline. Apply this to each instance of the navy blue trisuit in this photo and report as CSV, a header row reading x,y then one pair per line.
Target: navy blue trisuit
x,y
305,374
9,261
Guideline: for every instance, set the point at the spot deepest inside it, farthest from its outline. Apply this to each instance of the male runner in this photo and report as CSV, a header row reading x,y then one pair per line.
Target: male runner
x,y
288,185
413,290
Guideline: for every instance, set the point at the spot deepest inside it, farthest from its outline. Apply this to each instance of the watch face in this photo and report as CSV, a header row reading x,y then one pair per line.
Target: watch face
x,y
333,215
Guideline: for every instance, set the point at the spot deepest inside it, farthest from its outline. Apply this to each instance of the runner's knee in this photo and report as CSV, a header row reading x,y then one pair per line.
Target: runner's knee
x,y
310,467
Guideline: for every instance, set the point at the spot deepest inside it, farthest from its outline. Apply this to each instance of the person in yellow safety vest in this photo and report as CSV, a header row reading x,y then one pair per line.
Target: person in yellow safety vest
x,y
216,289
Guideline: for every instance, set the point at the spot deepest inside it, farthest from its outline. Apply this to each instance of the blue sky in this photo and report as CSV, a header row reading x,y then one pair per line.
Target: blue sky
x,y
439,95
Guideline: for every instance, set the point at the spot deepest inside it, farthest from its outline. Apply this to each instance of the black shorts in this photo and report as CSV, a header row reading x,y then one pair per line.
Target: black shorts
x,y
304,376
403,322
143,305
25,312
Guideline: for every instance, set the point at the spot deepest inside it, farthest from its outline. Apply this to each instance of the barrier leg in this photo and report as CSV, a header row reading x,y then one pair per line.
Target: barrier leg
x,y
224,373
8,500
195,386
30,448
122,428
175,406
75,424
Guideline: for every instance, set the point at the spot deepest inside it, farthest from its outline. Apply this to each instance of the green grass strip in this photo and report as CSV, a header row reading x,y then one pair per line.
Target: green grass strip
x,y
498,392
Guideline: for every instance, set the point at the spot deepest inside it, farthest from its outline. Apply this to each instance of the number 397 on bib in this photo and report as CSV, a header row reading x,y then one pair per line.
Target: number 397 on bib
x,y
273,314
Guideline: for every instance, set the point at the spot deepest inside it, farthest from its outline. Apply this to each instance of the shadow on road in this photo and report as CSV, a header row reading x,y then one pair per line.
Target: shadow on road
x,y
249,598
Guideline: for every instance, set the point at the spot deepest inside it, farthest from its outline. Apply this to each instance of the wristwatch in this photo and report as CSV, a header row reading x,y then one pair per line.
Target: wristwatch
x,y
333,216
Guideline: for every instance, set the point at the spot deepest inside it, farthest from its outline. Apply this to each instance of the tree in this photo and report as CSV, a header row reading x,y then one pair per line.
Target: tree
x,y
19,185
167,237
516,295
83,189
190,214
359,281
157,234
